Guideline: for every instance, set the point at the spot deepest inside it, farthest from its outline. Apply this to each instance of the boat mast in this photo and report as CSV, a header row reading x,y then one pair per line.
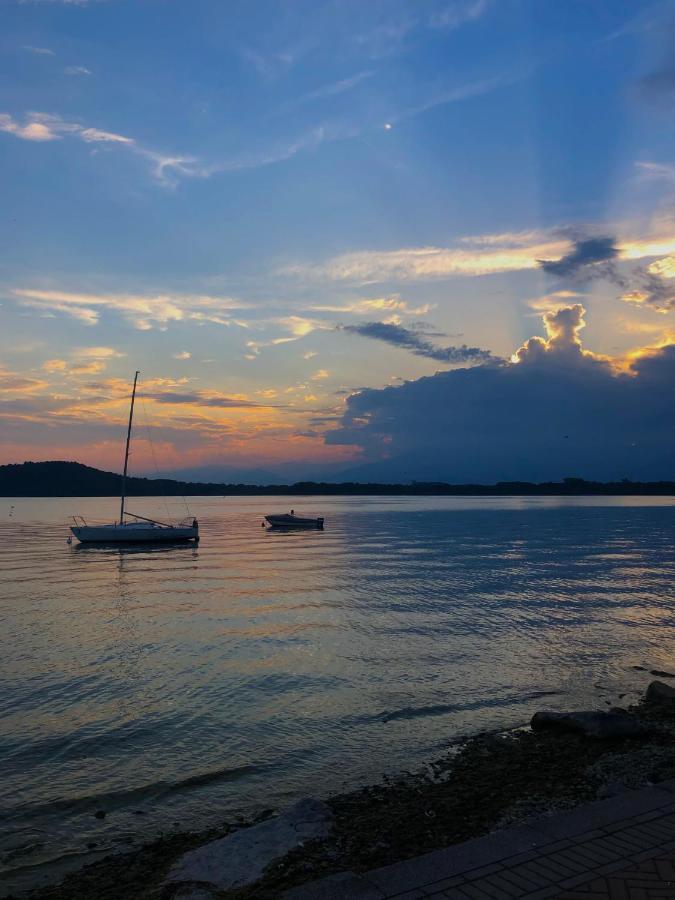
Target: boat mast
x,y
126,452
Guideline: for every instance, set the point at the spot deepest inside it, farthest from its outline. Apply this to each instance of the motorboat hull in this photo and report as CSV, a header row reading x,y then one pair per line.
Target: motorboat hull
x,y
134,532
287,521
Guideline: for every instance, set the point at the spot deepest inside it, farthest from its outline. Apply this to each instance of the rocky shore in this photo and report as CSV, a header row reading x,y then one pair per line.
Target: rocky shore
x,y
481,784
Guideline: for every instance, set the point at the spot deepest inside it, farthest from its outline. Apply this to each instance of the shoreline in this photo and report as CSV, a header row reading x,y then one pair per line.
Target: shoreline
x,y
482,783
66,479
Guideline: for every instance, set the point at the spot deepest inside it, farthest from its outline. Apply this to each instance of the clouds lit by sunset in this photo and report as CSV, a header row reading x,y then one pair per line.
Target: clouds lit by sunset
x,y
398,239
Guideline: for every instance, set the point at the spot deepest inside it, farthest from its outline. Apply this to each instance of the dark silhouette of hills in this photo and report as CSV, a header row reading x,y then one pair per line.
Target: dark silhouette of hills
x,y
72,479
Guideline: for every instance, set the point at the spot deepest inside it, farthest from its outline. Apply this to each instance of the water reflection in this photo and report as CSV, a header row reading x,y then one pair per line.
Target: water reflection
x,y
193,683
133,548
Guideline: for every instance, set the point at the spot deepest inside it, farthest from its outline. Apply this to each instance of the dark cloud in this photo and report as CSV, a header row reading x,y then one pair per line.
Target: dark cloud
x,y
651,289
558,411
593,258
324,420
198,400
589,258
416,342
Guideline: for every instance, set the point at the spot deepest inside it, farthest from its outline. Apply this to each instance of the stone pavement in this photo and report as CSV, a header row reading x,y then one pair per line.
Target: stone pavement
x,y
622,848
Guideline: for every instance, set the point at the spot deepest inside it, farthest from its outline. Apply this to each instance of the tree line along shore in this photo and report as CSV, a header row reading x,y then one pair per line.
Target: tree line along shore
x,y
73,479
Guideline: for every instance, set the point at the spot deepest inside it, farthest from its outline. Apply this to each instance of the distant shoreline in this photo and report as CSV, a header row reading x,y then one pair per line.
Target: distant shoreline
x,y
72,479
356,490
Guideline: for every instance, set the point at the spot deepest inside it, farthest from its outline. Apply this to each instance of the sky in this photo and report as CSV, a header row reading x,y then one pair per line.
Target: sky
x,y
403,239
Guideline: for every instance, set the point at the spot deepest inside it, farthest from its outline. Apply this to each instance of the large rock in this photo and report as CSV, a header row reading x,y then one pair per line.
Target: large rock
x,y
589,723
241,858
658,692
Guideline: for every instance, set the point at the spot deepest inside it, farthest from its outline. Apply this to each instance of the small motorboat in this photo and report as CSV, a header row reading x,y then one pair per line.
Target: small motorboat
x,y
290,520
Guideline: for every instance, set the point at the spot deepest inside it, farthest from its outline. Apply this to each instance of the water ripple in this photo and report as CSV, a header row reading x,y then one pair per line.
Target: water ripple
x,y
194,684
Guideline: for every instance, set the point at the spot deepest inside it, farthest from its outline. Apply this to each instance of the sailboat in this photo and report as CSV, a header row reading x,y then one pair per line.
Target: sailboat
x,y
142,528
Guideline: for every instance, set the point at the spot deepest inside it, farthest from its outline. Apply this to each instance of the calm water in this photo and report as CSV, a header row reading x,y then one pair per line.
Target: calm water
x,y
178,688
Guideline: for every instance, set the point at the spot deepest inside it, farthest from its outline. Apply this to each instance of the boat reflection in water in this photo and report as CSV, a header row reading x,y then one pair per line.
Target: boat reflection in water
x,y
136,546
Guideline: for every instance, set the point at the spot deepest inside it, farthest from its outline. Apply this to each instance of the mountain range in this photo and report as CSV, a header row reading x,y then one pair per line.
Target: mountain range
x,y
72,479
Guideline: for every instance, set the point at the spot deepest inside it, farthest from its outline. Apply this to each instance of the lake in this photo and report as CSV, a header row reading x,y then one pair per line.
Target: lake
x,y
177,688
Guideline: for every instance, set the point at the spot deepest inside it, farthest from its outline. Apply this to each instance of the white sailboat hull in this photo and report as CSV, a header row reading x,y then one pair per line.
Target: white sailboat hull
x,y
143,533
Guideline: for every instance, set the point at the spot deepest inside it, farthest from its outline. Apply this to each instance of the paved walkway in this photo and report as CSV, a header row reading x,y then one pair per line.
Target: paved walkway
x,y
622,848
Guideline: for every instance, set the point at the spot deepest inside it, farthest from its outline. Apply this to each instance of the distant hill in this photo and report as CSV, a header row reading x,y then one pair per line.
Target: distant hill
x,y
72,479
281,473
222,475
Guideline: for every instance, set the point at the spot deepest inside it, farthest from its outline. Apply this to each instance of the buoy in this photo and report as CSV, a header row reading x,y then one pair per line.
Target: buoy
x,y
69,539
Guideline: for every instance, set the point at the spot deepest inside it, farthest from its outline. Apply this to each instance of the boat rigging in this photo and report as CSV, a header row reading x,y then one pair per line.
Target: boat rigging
x,y
143,529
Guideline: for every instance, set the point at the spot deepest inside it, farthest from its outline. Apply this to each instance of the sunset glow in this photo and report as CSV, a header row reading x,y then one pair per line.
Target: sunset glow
x,y
274,225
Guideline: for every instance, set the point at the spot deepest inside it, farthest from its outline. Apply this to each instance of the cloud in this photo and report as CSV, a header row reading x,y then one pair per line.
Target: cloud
x,y
592,258
491,254
562,343
552,301
653,170
331,90
42,51
31,131
645,21
15,383
407,339
558,411
455,14
392,304
653,286
199,398
47,127
55,365
98,353
94,367
144,311
44,127
481,255
83,361
453,94
296,327
167,169
279,152
588,258
269,65
184,354
391,33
